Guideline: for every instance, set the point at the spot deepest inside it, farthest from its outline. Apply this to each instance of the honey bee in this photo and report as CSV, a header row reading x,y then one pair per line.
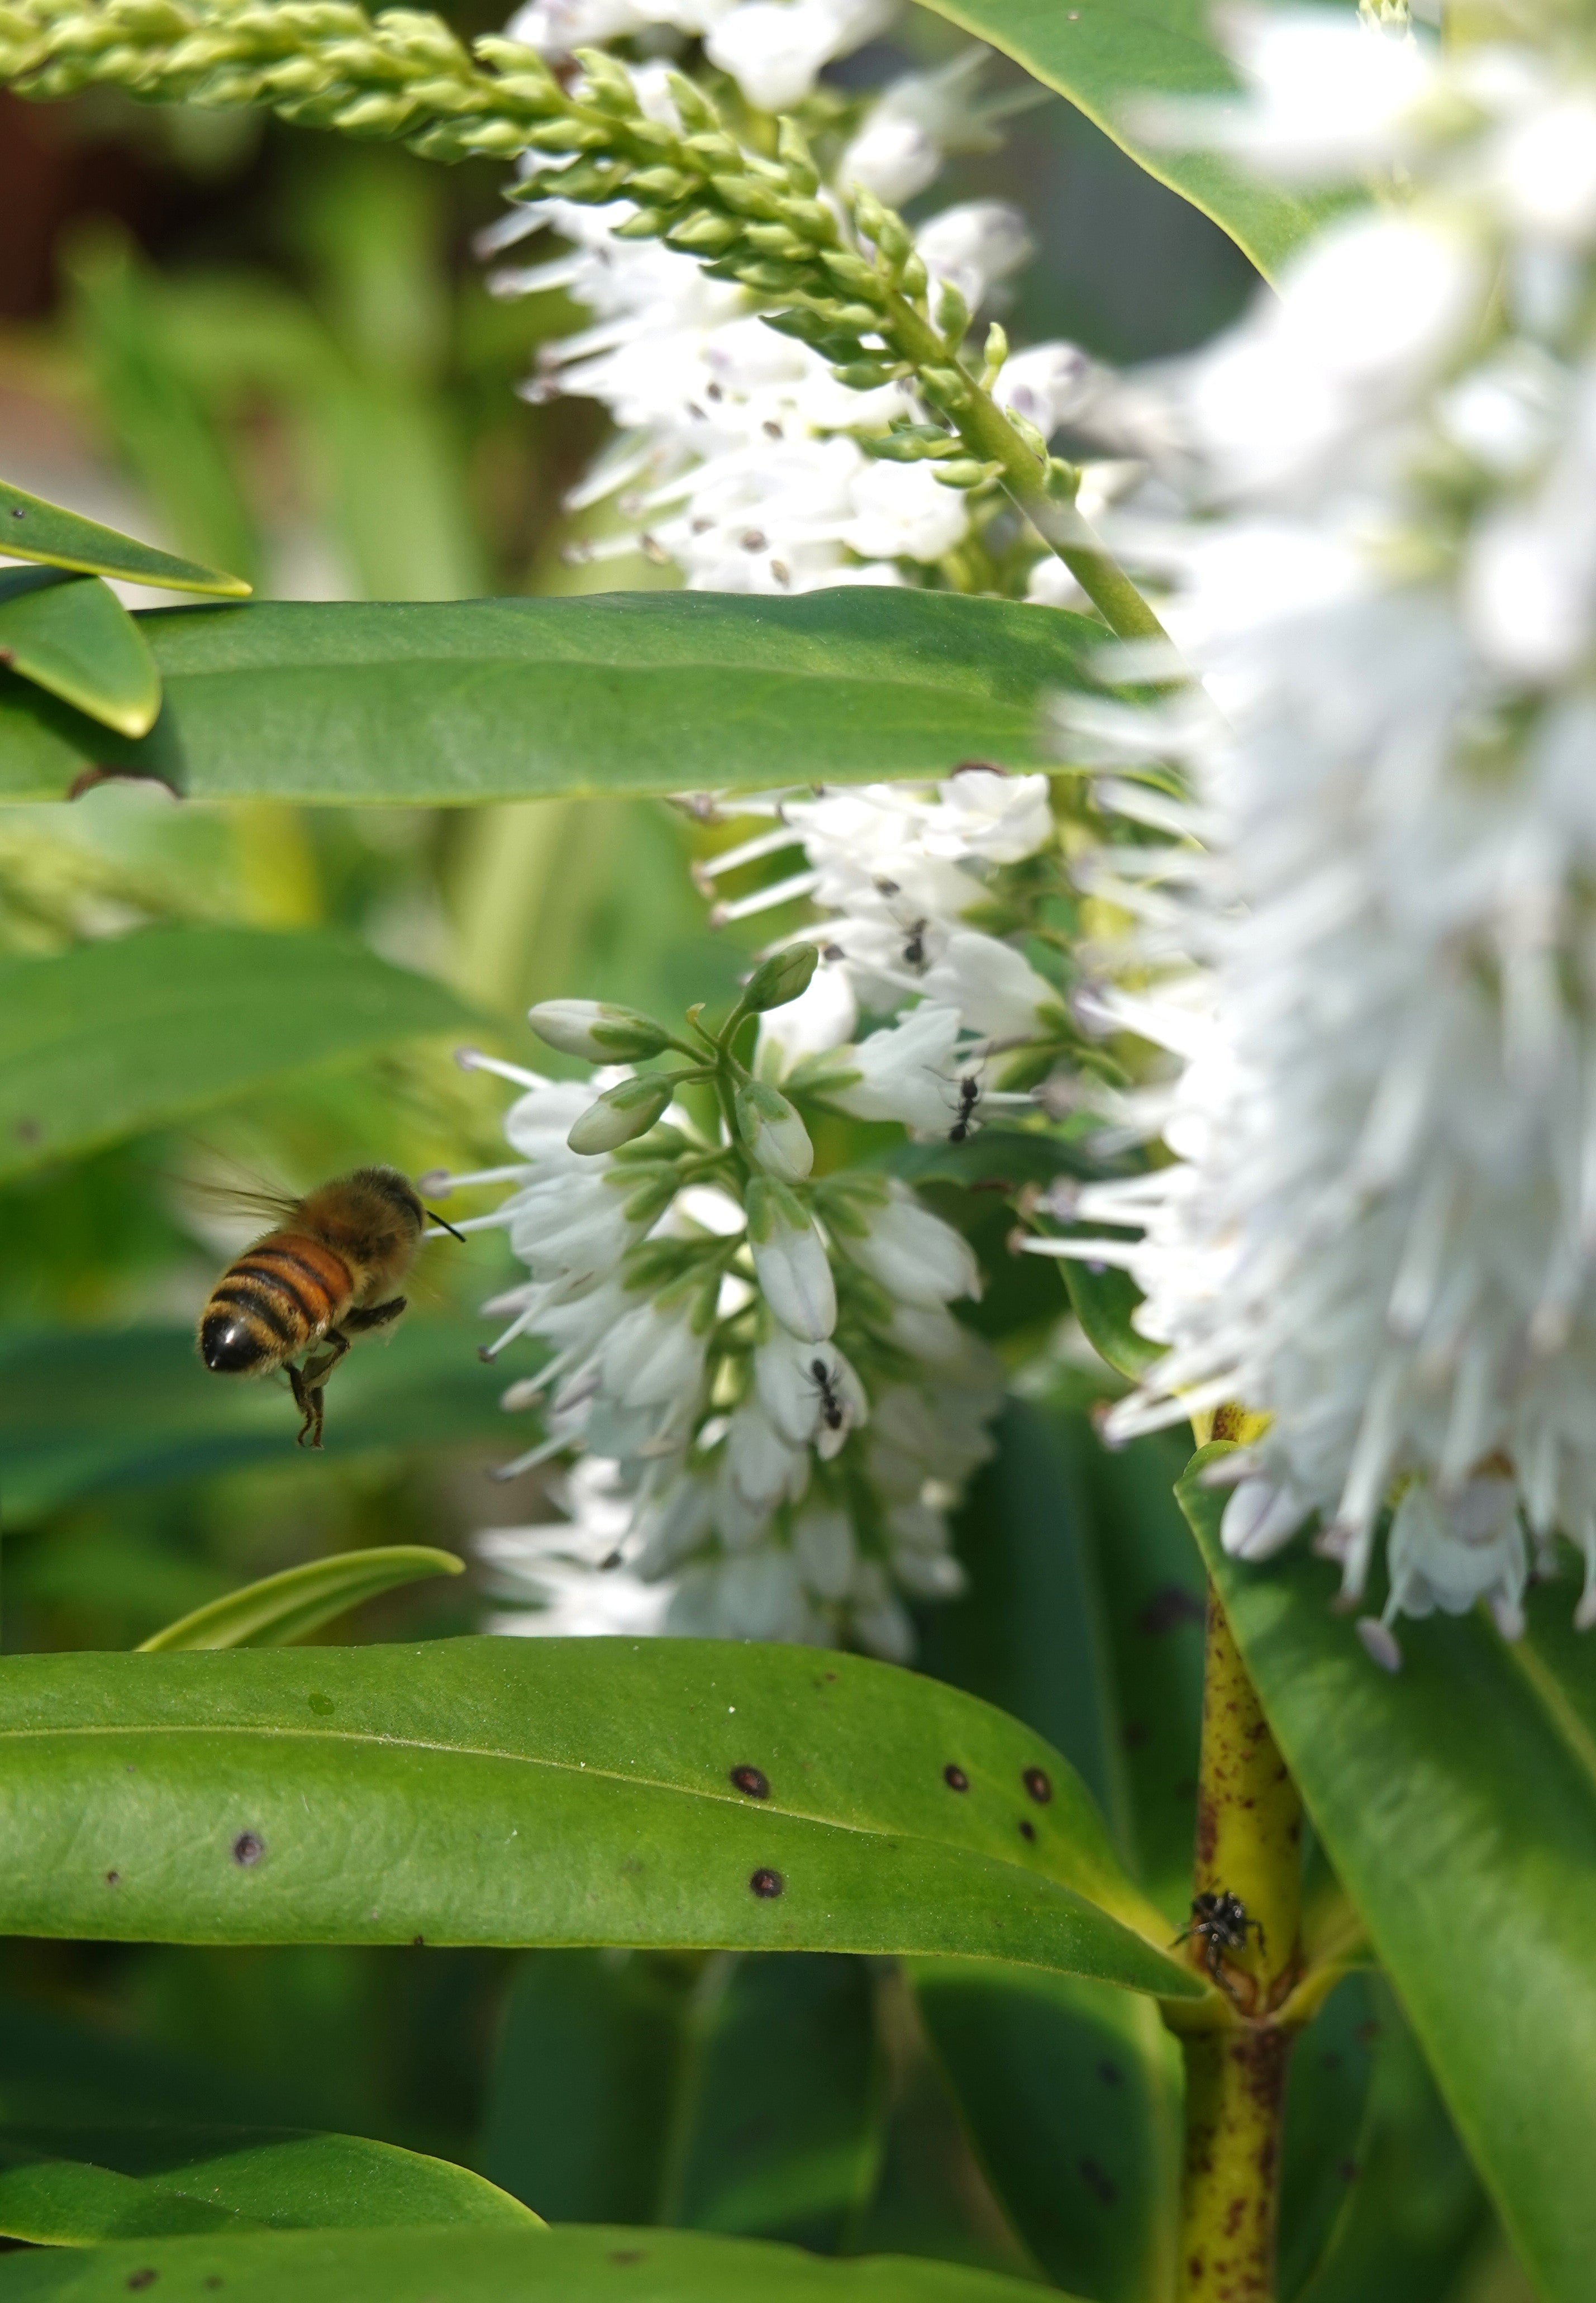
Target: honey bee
x,y
328,1271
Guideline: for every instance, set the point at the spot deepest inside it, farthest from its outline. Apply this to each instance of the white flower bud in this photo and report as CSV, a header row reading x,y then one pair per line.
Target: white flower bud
x,y
790,1262
593,1029
773,1136
622,1113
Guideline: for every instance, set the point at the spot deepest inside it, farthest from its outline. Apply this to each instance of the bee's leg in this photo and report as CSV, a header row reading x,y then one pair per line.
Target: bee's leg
x,y
375,1315
309,1386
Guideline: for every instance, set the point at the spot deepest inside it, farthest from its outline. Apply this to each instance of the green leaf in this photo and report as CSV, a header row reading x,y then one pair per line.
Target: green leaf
x,y
72,635
575,2264
33,529
1104,1300
736,2093
1072,2095
1416,2213
1456,1800
1109,57
282,1608
620,693
139,1030
130,1408
550,1791
75,2186
1327,2108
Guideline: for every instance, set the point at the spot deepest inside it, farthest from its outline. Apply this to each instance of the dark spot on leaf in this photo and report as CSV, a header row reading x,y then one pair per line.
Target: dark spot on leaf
x,y
247,1848
322,1704
627,2255
417,1943
138,2279
1103,2186
1134,1736
19,511
1367,2033
1027,1829
1330,2062
113,1878
955,1778
28,1131
766,1884
1347,2170
1170,1605
1110,2073
1039,1786
215,2279
753,1781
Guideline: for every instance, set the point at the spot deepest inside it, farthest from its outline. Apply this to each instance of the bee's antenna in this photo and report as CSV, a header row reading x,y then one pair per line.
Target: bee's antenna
x,y
446,1225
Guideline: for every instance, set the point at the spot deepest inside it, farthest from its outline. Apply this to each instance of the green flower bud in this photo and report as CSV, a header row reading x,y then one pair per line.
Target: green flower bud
x,y
781,978
623,1112
597,1031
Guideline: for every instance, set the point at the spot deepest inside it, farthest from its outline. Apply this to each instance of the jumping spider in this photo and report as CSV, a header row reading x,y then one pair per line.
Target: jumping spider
x,y
1220,1924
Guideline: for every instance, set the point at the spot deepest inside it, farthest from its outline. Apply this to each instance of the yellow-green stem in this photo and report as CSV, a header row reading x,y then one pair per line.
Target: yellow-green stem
x,y
1249,1846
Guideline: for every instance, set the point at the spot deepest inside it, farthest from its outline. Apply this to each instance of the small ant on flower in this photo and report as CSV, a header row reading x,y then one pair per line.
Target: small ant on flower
x,y
832,1413
964,1125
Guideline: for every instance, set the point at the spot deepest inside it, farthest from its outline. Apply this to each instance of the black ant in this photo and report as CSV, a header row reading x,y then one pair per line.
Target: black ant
x,y
969,1096
1220,1924
832,1414
914,950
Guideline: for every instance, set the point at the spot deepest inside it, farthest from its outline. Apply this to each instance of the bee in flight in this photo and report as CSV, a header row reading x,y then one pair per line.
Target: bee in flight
x,y
328,1271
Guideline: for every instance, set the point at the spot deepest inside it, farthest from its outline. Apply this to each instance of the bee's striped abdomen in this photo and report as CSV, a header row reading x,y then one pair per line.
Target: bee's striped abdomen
x,y
279,1298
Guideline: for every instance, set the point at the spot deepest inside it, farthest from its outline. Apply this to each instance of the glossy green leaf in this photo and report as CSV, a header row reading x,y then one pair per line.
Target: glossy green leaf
x,y
1416,2214
74,2186
133,1033
735,2093
623,692
72,635
587,2075
1109,57
576,2265
1327,2110
1072,2095
1457,1802
102,1410
282,1608
549,1790
1104,1300
33,529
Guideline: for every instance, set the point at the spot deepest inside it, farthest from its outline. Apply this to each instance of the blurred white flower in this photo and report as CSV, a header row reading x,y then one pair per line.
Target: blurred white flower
x,y
1380,1231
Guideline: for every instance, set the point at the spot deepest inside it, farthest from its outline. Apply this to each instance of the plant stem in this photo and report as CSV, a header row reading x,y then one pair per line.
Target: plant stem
x,y
987,433
1249,1845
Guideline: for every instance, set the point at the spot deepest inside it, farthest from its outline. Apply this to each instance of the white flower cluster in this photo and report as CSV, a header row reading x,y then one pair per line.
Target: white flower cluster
x,y
1380,1231
735,458
895,869
741,1474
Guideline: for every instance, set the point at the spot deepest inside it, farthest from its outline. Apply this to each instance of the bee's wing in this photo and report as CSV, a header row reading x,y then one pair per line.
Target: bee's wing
x,y
254,1198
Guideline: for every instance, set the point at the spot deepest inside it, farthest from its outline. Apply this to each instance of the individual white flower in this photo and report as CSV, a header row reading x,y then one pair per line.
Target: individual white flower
x,y
914,1255
899,148
995,818
774,48
991,988
902,511
798,1385
907,1072
974,246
